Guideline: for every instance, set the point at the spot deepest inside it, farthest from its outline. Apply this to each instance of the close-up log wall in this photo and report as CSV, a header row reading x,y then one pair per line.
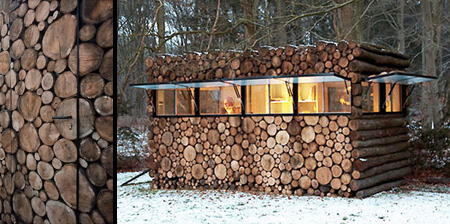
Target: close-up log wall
x,y
348,155
38,118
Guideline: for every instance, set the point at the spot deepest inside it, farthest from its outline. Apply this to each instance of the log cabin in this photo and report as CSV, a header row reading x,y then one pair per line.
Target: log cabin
x,y
328,119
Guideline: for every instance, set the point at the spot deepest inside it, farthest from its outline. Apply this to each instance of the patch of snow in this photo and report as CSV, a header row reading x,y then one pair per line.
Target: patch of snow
x,y
141,204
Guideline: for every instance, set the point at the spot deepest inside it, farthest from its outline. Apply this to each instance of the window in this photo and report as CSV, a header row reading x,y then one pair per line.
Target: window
x,y
257,99
292,95
308,100
269,99
327,97
219,100
337,97
165,100
280,100
168,98
393,101
185,103
376,99
371,99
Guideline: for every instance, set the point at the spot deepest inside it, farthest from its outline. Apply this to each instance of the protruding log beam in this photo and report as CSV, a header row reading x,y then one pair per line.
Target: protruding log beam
x,y
381,123
380,169
380,59
382,50
377,133
364,67
373,190
366,163
379,150
379,141
380,178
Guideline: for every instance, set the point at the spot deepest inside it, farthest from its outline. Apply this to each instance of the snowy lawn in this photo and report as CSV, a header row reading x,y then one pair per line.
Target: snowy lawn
x,y
139,204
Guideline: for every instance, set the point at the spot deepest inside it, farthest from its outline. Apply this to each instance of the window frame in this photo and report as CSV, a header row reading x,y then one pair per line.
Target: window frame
x,y
382,97
243,92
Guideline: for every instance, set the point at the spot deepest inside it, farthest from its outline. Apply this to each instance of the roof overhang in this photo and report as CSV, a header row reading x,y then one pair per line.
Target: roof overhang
x,y
402,78
245,81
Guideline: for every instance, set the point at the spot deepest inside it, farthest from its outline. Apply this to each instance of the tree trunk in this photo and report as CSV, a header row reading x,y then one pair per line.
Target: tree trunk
x,y
345,21
430,102
160,21
280,28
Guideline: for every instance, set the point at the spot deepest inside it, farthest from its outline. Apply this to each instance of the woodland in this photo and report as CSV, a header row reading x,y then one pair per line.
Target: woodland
x,y
420,29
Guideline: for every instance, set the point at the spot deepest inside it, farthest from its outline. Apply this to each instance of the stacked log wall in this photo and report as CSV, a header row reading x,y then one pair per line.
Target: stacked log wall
x,y
220,152
38,154
380,151
288,154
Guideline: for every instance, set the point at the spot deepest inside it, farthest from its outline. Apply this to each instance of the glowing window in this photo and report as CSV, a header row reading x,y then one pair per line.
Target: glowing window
x,y
337,97
393,101
310,98
280,100
257,99
219,100
185,103
371,99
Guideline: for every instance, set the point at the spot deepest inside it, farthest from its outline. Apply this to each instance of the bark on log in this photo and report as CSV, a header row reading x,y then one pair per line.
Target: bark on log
x,y
380,59
364,67
380,178
380,169
382,50
379,141
382,187
379,150
364,164
377,133
380,123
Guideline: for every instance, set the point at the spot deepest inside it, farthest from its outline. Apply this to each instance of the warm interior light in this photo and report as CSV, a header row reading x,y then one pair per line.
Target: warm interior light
x,y
228,104
343,102
311,97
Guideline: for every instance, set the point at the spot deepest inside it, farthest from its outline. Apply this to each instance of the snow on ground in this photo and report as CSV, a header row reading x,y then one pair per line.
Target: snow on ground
x,y
139,204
